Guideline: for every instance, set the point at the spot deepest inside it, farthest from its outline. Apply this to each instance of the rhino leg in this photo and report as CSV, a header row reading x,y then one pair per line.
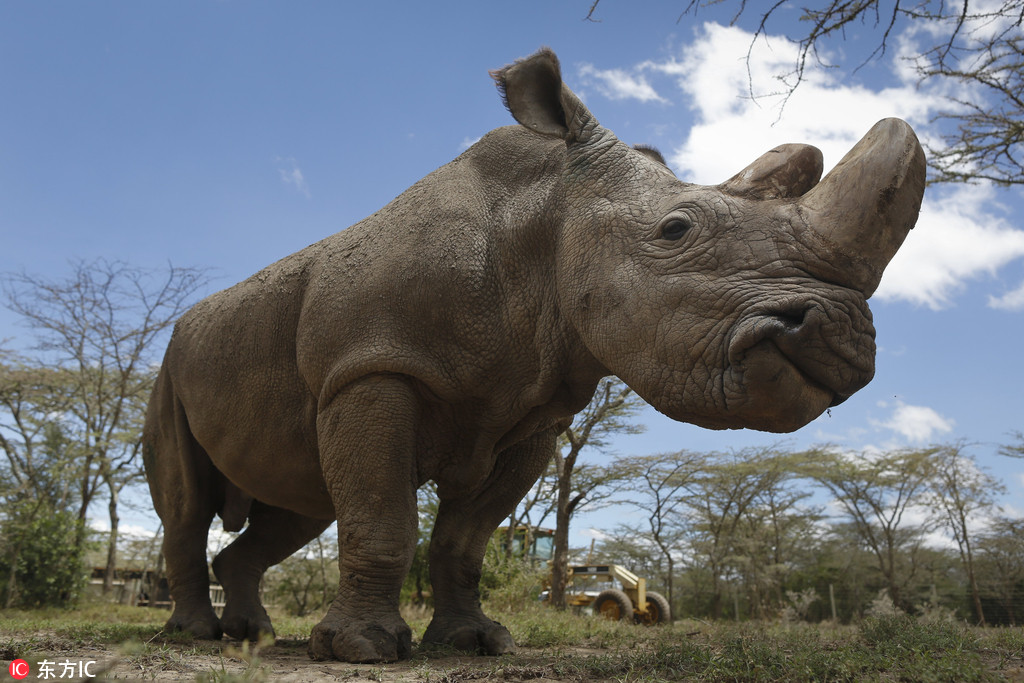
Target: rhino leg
x,y
464,526
367,438
273,535
183,483
184,550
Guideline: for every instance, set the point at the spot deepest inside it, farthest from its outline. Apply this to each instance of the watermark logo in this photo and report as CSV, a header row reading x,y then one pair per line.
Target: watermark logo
x,y
19,669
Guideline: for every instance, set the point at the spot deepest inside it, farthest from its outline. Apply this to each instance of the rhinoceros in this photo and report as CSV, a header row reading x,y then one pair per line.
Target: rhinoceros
x,y
451,336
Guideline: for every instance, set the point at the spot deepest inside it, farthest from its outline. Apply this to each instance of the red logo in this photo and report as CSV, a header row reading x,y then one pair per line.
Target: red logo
x,y
18,669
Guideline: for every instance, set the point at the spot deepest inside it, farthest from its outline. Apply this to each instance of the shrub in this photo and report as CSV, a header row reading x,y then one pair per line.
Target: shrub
x,y
41,562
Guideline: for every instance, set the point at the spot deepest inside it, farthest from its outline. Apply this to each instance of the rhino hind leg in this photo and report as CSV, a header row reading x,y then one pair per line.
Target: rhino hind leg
x,y
185,489
273,535
188,577
367,439
461,532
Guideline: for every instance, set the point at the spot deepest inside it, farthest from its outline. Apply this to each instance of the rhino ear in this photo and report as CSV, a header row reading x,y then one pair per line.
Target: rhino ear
x,y
533,91
652,153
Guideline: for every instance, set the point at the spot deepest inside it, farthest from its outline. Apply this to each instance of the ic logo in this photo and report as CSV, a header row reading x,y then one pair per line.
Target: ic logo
x,y
19,669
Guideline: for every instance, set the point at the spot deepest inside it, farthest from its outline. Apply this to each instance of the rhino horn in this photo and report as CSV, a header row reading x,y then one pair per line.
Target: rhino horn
x,y
786,171
866,205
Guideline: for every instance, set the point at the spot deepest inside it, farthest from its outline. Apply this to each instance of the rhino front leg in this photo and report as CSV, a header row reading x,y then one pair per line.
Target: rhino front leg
x,y
272,535
464,526
367,438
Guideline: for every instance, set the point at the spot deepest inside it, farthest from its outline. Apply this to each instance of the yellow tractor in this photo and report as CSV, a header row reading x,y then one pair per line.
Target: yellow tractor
x,y
632,603
588,585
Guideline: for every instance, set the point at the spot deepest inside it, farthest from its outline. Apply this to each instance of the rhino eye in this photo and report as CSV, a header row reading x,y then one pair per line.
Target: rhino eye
x,y
675,228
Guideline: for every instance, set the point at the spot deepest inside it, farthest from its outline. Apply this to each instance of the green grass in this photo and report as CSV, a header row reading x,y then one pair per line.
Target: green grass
x,y
560,646
884,649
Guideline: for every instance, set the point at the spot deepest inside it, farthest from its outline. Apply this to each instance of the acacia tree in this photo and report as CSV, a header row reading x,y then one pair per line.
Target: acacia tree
x,y
1014,450
960,491
775,531
973,51
624,546
37,495
654,484
99,327
1001,564
875,491
719,501
36,450
582,484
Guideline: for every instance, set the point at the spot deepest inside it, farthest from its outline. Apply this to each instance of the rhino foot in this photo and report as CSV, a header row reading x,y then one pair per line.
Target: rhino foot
x,y
482,636
251,627
204,626
359,641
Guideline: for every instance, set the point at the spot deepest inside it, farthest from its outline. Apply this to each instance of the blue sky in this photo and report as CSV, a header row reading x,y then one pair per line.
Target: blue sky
x,y
228,135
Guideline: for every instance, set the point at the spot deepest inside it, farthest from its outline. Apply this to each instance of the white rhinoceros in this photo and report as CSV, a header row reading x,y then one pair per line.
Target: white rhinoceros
x,y
452,335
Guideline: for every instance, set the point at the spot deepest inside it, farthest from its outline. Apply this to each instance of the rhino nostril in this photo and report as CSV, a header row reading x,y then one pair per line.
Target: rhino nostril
x,y
791,319
794,318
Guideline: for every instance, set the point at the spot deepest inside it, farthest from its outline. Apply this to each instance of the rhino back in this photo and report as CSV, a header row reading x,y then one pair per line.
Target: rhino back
x,y
451,284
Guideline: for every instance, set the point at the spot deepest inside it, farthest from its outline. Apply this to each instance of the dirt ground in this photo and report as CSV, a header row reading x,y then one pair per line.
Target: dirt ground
x,y
564,649
287,661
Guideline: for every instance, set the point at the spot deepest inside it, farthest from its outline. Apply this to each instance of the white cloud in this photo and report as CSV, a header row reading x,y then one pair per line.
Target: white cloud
x,y
468,142
617,84
916,423
733,129
956,238
1011,301
291,175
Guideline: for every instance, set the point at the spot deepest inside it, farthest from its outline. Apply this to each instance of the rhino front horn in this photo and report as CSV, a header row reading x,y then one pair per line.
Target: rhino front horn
x,y
864,208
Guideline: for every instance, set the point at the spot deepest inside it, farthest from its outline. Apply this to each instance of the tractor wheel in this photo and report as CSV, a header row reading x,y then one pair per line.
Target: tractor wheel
x,y
613,604
657,610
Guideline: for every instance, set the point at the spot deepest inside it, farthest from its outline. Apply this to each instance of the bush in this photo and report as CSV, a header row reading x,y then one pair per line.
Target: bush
x,y
304,583
42,564
508,583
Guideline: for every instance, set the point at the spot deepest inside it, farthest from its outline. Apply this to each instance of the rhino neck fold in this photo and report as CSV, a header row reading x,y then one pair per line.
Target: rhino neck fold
x,y
584,161
527,195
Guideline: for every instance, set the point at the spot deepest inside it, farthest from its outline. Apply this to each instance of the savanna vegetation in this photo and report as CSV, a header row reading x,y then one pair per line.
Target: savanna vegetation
x,y
767,535
779,564
127,643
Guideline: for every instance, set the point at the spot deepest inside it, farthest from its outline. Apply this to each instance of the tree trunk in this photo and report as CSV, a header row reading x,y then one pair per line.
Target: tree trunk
x,y
560,558
12,580
716,594
670,584
108,575
510,537
667,553
975,593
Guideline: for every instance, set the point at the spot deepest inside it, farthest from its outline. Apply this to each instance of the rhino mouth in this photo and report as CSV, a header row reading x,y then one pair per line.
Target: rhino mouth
x,y
801,359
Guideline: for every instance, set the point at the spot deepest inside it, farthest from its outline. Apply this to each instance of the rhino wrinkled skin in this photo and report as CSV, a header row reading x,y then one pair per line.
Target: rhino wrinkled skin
x,y
453,334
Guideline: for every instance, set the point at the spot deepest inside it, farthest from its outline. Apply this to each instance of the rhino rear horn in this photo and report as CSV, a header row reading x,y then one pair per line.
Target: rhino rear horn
x,y
786,171
866,205
533,91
